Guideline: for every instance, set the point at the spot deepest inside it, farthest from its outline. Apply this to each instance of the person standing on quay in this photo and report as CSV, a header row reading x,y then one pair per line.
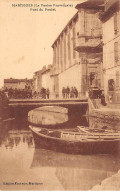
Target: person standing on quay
x,y
75,92
67,92
63,92
72,93
47,93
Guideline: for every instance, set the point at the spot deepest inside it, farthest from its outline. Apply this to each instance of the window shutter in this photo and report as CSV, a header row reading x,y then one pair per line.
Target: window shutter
x,y
69,56
65,49
74,36
116,51
117,79
115,24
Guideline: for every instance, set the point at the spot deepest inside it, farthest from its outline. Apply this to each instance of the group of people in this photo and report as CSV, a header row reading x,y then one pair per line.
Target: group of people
x,y
3,97
25,93
69,92
44,93
97,94
19,93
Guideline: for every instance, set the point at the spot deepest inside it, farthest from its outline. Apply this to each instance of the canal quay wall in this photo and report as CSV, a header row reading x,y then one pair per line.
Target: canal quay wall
x,y
108,112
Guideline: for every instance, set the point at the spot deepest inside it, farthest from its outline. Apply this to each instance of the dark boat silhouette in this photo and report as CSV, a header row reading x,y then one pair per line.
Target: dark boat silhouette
x,y
73,142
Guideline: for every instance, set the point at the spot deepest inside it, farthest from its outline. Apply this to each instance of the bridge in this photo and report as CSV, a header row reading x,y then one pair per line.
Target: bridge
x,y
46,102
18,106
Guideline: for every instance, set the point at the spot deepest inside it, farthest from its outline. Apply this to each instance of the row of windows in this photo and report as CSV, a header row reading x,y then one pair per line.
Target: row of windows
x,y
116,23
68,50
116,52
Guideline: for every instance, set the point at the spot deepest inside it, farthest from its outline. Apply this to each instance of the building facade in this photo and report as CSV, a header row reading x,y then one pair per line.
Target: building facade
x,y
15,83
47,80
43,79
37,85
29,84
111,50
77,51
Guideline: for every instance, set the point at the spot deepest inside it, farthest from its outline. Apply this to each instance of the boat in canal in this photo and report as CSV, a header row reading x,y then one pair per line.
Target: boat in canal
x,y
76,142
96,130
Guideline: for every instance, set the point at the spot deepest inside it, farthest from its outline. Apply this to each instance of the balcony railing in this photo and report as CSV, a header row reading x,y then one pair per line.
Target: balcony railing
x,y
88,44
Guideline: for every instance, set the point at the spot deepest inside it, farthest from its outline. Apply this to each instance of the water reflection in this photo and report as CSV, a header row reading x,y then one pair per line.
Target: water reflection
x,y
16,151
56,120
48,115
21,162
16,137
11,136
76,172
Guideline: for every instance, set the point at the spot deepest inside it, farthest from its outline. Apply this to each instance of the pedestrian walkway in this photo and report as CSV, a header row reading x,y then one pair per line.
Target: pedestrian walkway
x,y
114,106
106,113
108,109
110,112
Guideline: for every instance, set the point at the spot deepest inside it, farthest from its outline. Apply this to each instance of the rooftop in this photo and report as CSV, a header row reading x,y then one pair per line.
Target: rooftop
x,y
45,69
12,80
91,4
110,7
65,28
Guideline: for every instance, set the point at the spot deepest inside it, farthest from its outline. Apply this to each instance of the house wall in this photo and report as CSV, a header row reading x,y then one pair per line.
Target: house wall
x,y
73,75
15,85
84,29
37,82
47,82
111,55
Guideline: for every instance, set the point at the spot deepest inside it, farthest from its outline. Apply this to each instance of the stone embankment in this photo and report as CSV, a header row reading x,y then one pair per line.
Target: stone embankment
x,y
104,112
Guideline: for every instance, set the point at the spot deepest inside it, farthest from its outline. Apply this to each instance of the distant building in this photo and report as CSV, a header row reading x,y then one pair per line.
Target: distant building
x,y
29,84
77,51
43,79
37,85
15,83
111,50
47,80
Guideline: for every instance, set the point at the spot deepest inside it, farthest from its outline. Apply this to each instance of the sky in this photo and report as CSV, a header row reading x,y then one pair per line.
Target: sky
x,y
26,36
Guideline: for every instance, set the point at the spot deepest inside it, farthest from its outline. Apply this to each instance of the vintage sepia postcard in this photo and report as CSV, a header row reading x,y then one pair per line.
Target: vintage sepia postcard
x,y
60,95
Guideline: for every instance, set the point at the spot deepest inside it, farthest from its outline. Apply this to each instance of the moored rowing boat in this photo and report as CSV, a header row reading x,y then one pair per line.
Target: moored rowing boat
x,y
74,142
96,130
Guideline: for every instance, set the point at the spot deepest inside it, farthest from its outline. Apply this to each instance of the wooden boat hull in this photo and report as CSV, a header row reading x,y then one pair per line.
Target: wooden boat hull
x,y
75,147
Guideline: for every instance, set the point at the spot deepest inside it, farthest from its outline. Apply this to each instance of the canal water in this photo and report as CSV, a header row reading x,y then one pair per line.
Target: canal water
x,y
22,167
